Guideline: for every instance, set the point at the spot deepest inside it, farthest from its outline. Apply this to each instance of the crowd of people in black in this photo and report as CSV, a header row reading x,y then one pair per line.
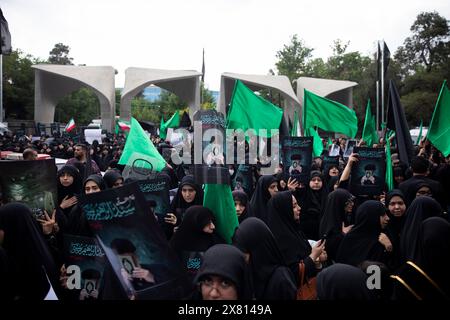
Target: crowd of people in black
x,y
285,228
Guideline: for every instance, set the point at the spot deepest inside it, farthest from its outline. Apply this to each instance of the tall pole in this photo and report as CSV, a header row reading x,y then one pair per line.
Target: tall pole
x,y
382,84
378,104
1,88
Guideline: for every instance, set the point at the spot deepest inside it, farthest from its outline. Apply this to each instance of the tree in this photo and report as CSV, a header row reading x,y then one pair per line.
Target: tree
x,y
293,58
82,105
207,98
60,55
429,44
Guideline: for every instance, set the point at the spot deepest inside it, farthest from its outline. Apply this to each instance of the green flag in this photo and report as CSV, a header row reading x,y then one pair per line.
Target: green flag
x,y
219,200
173,122
249,111
139,146
369,134
419,137
317,142
389,170
295,132
439,131
328,115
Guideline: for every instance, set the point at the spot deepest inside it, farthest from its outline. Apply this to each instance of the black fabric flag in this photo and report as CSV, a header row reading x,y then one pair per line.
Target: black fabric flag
x,y
396,120
5,35
386,57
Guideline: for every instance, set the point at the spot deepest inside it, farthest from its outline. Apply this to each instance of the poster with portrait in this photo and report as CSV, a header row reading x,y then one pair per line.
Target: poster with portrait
x,y
335,150
209,164
156,193
368,174
297,157
134,244
88,256
31,182
328,162
349,146
243,179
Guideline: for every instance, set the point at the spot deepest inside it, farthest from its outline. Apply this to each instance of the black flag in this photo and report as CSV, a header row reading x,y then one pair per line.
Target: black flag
x,y
396,120
386,57
5,36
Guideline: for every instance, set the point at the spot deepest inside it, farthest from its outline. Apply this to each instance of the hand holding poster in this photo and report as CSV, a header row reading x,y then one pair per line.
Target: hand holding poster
x,y
368,174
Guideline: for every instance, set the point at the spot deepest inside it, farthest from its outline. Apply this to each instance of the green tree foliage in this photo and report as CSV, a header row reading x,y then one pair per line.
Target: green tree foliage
x,y
293,59
60,54
207,98
18,85
82,105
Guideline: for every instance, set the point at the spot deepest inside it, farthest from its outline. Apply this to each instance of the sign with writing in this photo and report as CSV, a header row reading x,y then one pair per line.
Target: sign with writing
x,y
297,157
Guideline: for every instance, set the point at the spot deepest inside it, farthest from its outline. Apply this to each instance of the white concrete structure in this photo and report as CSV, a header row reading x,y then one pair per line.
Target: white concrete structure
x,y
280,84
184,83
53,82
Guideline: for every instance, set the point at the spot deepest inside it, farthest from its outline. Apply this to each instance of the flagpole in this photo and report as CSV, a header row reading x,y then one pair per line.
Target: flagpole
x,y
1,87
378,104
382,84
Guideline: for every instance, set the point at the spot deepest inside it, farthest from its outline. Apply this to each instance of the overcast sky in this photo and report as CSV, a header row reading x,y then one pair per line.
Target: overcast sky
x,y
240,36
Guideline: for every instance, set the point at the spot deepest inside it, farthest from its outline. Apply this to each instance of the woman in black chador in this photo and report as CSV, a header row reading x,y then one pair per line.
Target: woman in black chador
x,y
366,240
283,221
337,219
395,202
427,276
419,210
188,194
266,187
29,262
242,205
272,279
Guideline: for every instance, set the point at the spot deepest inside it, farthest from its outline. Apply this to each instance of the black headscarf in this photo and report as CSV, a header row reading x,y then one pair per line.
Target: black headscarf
x,y
228,262
420,209
281,176
361,243
29,258
97,179
254,237
434,251
111,176
261,196
190,235
242,197
334,213
395,225
290,239
343,282
179,205
74,188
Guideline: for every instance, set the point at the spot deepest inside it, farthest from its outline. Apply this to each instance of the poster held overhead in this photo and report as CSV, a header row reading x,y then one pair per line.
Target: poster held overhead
x,y
297,157
368,174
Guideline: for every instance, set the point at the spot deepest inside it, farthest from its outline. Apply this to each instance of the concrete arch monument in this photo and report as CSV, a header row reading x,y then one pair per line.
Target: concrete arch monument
x,y
52,82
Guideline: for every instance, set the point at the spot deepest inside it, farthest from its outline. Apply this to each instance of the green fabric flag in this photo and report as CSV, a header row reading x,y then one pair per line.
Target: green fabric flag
x,y
317,142
249,111
295,132
389,169
419,137
369,134
329,142
173,122
328,115
139,146
439,131
219,200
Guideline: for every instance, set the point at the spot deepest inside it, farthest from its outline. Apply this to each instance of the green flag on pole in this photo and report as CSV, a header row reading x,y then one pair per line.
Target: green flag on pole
x,y
369,134
439,131
419,137
139,146
317,142
173,122
249,111
219,200
295,131
328,115
389,170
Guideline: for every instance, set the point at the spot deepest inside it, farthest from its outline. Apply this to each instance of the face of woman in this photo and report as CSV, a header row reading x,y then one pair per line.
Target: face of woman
x,y
188,193
315,183
296,209
209,228
349,206
218,288
424,191
118,183
240,208
397,206
66,179
333,172
273,189
91,187
384,220
283,184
